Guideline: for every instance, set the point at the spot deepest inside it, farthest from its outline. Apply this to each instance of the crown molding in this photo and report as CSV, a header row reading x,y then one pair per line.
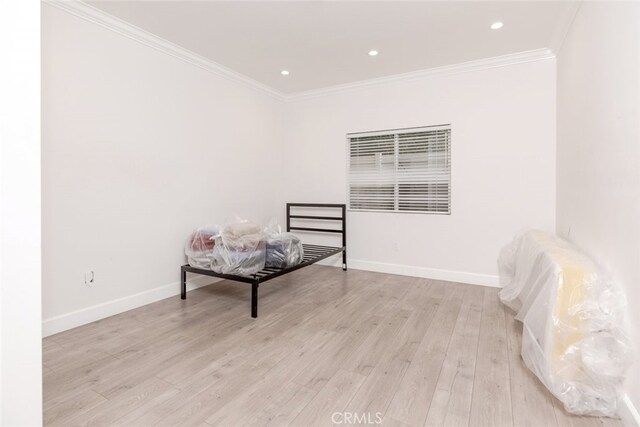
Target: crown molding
x,y
110,22
566,21
463,67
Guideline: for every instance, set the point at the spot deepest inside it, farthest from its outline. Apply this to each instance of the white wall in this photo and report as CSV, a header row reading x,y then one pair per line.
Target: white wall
x,y
503,165
139,148
20,319
599,145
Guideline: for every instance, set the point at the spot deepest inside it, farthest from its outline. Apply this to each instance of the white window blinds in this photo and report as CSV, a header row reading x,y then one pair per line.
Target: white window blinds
x,y
406,170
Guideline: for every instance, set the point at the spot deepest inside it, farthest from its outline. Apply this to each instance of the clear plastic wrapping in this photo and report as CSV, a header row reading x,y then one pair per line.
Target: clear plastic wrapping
x,y
199,247
240,249
573,335
284,250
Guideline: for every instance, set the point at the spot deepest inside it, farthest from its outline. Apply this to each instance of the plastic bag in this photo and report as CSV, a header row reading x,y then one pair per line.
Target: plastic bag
x,y
283,249
239,249
199,247
573,335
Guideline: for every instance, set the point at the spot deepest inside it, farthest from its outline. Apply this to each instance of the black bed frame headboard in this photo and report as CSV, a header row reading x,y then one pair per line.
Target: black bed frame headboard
x,y
342,218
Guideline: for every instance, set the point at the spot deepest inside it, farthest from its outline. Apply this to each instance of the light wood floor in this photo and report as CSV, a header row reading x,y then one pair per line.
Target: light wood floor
x,y
416,351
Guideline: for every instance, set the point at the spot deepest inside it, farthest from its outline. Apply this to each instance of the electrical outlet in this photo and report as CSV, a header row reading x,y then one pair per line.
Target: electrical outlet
x,y
89,278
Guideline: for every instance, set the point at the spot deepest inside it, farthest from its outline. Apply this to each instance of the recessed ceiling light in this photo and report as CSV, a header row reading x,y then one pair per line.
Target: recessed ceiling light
x,y
373,52
284,72
496,25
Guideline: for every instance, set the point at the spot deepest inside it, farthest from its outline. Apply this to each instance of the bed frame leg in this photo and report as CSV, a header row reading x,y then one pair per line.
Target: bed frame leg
x,y
254,300
183,284
344,260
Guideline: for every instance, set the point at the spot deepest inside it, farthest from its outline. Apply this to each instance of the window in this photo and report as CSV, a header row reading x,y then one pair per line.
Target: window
x,y
406,170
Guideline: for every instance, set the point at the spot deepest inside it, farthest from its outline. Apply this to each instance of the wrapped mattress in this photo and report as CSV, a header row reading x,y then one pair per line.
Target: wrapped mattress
x,y
573,321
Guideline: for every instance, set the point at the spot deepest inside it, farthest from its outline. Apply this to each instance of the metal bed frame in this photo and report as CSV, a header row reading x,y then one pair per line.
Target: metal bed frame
x,y
312,253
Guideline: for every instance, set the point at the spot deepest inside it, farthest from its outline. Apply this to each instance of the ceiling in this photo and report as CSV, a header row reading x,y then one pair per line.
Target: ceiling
x,y
326,43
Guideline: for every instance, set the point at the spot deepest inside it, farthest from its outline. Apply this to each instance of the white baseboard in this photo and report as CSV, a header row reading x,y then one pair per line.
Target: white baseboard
x,y
427,273
67,321
629,413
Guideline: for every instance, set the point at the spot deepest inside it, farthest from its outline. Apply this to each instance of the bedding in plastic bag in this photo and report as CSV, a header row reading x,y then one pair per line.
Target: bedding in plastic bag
x,y
283,249
199,247
573,335
239,249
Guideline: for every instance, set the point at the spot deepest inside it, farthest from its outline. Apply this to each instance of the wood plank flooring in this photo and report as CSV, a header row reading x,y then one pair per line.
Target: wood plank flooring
x,y
403,350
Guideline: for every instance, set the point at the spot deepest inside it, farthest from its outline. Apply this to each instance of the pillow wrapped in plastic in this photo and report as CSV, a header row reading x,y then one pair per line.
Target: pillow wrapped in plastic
x,y
239,249
573,335
284,250
199,247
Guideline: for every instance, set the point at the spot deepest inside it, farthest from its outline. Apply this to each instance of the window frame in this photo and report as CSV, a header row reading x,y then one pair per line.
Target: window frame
x,y
395,133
